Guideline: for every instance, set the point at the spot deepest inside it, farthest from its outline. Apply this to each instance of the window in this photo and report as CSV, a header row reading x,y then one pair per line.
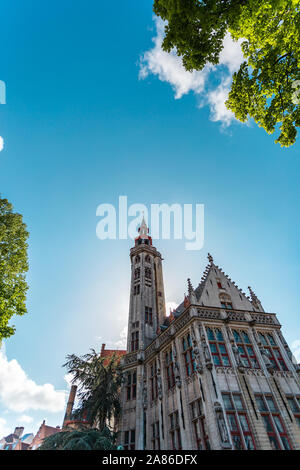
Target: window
x,y
135,341
272,351
219,284
153,381
188,353
225,301
148,315
136,289
170,369
147,259
175,431
198,420
246,350
137,273
129,440
148,274
238,422
217,347
137,259
294,403
155,436
227,305
131,386
273,423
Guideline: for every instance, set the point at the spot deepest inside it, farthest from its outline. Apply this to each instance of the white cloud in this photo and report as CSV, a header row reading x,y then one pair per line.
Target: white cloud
x,y
25,419
1,143
216,99
168,67
121,342
4,430
170,306
295,346
19,393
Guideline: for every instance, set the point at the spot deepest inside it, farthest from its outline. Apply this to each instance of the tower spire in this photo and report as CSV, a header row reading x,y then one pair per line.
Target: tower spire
x,y
255,300
143,237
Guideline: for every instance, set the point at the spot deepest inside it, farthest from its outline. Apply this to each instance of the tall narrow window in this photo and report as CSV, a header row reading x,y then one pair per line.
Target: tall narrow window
x,y
148,274
148,315
188,353
200,431
238,422
129,440
217,347
131,386
155,436
274,426
294,403
245,349
137,273
134,341
273,351
175,431
136,289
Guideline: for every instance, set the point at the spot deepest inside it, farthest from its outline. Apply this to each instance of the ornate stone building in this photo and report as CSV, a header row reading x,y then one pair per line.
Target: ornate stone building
x,y
216,374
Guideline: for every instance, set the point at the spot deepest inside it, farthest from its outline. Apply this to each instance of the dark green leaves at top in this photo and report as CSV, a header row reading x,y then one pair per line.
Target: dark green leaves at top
x,y
264,87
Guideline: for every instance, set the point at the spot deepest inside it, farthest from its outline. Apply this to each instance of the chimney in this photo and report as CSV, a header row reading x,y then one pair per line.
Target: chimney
x,y
70,403
19,431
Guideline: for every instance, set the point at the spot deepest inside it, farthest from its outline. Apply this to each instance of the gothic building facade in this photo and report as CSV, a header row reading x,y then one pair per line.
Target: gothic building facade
x,y
216,373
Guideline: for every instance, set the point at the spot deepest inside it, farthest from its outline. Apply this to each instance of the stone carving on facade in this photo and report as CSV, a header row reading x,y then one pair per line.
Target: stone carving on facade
x,y
145,394
224,435
266,359
176,366
159,381
205,348
196,351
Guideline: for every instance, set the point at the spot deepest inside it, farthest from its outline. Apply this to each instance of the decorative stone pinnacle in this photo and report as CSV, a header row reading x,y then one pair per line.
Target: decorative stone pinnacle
x,y
190,287
210,258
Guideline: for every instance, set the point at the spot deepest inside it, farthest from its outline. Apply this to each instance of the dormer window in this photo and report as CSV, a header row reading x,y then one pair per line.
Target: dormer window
x,y
225,301
227,305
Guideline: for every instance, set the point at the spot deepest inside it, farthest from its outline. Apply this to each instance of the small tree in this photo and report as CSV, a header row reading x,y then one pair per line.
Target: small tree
x,y
13,266
84,439
99,387
99,400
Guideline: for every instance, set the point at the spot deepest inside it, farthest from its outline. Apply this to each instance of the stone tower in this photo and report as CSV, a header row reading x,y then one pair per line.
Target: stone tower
x,y
147,308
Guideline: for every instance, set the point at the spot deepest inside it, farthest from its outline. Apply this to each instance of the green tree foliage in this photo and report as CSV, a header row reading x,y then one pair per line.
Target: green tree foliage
x,y
99,387
13,266
264,86
85,439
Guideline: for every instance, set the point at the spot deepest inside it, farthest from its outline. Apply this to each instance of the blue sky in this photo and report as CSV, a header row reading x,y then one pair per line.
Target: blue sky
x,y
93,113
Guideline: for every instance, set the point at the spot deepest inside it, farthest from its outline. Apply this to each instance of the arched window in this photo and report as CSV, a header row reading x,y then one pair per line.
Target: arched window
x,y
137,259
225,301
217,347
147,273
137,272
147,259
